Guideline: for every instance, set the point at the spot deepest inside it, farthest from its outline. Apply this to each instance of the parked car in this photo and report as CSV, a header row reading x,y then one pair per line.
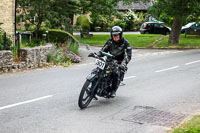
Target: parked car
x,y
193,26
154,28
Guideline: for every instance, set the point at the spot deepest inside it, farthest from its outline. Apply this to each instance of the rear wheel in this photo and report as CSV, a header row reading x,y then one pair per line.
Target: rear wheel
x,y
86,94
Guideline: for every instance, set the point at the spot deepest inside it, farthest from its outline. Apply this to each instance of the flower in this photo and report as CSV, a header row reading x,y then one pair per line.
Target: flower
x,y
63,44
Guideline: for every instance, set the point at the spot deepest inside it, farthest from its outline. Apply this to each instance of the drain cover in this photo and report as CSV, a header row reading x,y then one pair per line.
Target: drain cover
x,y
155,117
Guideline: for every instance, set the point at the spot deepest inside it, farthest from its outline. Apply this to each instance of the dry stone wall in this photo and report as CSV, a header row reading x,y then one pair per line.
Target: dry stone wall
x,y
30,58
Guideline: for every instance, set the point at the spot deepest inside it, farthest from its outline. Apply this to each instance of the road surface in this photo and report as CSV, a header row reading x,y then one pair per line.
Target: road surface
x,y
162,90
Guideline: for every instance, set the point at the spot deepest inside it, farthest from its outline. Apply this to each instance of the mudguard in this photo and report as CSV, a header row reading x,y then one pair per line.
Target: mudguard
x,y
92,76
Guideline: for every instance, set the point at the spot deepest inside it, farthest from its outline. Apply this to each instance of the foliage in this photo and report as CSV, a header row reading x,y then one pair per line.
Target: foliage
x,y
59,13
60,36
179,11
101,12
34,43
52,13
99,7
62,55
120,23
128,18
35,12
192,126
83,22
133,20
2,37
102,21
63,12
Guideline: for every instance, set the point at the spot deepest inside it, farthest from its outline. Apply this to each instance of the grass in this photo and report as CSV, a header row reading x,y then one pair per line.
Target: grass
x,y
192,41
144,40
191,126
33,43
136,41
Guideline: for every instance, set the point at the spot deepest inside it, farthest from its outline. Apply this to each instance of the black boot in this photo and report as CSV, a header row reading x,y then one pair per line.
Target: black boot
x,y
115,86
113,94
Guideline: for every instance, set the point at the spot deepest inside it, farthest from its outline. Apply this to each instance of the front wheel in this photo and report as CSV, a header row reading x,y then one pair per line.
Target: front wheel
x,y
86,94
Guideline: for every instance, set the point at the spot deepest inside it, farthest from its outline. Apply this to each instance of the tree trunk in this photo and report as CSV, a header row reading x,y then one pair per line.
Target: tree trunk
x,y
176,30
71,24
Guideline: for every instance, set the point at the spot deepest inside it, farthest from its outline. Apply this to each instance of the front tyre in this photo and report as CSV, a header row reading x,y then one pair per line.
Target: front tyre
x,y
86,94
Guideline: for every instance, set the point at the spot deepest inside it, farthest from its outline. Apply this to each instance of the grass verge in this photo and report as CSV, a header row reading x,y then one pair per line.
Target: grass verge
x,y
136,41
191,126
146,40
192,41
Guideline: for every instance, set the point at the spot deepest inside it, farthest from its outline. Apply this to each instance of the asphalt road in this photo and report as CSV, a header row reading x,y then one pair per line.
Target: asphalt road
x,y
106,33
161,82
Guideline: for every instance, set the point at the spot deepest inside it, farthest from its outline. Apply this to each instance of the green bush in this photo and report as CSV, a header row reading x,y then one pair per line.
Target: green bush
x,y
83,22
128,19
119,23
9,42
59,36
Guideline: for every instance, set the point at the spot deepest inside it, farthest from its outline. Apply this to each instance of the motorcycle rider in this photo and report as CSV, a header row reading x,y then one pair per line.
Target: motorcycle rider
x,y
121,49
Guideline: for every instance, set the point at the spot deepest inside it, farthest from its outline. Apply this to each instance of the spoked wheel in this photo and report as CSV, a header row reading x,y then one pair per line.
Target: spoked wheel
x,y
86,94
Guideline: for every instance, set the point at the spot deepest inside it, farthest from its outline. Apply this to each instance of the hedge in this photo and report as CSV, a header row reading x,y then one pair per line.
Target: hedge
x,y
59,36
83,22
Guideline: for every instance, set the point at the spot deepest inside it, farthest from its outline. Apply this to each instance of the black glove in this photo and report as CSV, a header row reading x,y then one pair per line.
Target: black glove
x,y
123,67
99,54
91,55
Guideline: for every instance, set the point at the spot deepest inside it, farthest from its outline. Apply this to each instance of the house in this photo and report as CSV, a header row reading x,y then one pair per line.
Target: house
x,y
7,16
138,7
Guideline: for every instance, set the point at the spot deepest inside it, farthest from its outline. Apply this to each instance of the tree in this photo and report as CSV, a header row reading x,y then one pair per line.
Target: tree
x,y
55,13
59,13
177,9
35,12
63,13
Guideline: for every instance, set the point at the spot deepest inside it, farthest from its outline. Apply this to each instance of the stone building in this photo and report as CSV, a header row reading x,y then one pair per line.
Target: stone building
x,y
7,16
138,6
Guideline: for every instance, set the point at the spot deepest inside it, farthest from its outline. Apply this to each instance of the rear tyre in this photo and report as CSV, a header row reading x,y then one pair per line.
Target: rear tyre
x,y
86,94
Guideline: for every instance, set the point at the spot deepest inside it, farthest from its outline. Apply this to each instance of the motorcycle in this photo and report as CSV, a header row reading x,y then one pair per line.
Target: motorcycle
x,y
99,81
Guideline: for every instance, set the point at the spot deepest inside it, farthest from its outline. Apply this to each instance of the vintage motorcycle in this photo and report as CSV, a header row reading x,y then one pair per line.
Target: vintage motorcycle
x,y
99,81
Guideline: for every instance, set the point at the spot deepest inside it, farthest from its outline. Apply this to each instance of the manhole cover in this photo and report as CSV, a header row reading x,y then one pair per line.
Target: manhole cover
x,y
155,117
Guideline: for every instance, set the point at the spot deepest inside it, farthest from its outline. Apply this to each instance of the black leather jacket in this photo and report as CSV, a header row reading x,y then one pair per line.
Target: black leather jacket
x,y
121,50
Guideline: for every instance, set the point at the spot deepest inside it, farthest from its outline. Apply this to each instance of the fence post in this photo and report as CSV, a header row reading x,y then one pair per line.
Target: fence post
x,y
5,41
18,42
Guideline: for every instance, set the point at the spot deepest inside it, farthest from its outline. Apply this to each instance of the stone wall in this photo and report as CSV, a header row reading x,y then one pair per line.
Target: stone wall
x,y
6,61
30,58
7,15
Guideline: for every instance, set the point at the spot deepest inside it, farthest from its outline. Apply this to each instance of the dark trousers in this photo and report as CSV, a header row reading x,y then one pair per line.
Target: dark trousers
x,y
116,79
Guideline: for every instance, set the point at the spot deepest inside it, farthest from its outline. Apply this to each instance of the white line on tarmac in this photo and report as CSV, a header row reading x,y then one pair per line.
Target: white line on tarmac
x,y
167,69
192,62
130,77
85,64
25,102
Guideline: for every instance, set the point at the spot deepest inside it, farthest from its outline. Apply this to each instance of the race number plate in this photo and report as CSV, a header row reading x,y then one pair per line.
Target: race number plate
x,y
100,64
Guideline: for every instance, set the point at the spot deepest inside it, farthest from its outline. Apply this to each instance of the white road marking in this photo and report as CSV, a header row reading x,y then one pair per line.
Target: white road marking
x,y
167,69
25,102
192,62
130,77
84,64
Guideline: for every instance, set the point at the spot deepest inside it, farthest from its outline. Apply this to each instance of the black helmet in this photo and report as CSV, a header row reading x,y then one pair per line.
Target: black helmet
x,y
116,30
